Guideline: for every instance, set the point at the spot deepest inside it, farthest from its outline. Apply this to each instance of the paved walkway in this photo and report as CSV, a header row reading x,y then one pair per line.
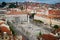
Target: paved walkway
x,y
17,29
46,27
19,33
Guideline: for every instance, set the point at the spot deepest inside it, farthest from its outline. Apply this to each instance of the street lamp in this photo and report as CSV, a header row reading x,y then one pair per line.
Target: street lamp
x,y
50,22
50,17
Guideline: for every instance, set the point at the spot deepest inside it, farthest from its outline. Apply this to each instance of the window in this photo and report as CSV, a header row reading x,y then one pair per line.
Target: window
x,y
17,20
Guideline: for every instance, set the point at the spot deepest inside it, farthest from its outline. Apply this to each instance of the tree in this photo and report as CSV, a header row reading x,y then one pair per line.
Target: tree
x,y
40,33
39,21
0,6
12,6
39,37
56,26
32,15
3,4
21,8
11,28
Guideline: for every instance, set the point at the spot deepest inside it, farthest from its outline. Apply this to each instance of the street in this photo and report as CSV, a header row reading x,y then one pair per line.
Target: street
x,y
42,27
19,33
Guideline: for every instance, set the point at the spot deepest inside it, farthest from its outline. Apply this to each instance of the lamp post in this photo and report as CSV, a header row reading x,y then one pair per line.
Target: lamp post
x,y
28,18
50,22
50,17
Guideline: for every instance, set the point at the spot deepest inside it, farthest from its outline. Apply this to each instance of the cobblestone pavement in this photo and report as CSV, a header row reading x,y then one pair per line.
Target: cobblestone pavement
x,y
19,33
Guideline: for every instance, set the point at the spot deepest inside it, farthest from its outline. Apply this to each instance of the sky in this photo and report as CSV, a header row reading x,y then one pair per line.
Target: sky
x,y
40,1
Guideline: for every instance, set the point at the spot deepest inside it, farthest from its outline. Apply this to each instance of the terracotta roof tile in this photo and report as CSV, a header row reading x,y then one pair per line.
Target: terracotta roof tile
x,y
1,22
48,37
14,12
5,29
55,12
58,30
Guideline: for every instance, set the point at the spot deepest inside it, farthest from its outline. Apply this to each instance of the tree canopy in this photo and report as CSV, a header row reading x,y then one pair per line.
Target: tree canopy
x,y
3,4
11,27
56,26
12,6
32,15
21,8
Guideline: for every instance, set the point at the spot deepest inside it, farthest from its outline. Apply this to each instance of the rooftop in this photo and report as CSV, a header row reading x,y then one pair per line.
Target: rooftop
x,y
16,12
48,37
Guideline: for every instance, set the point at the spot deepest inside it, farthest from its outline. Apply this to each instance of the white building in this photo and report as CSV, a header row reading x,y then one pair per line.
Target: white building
x,y
45,17
42,11
2,13
17,16
31,31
